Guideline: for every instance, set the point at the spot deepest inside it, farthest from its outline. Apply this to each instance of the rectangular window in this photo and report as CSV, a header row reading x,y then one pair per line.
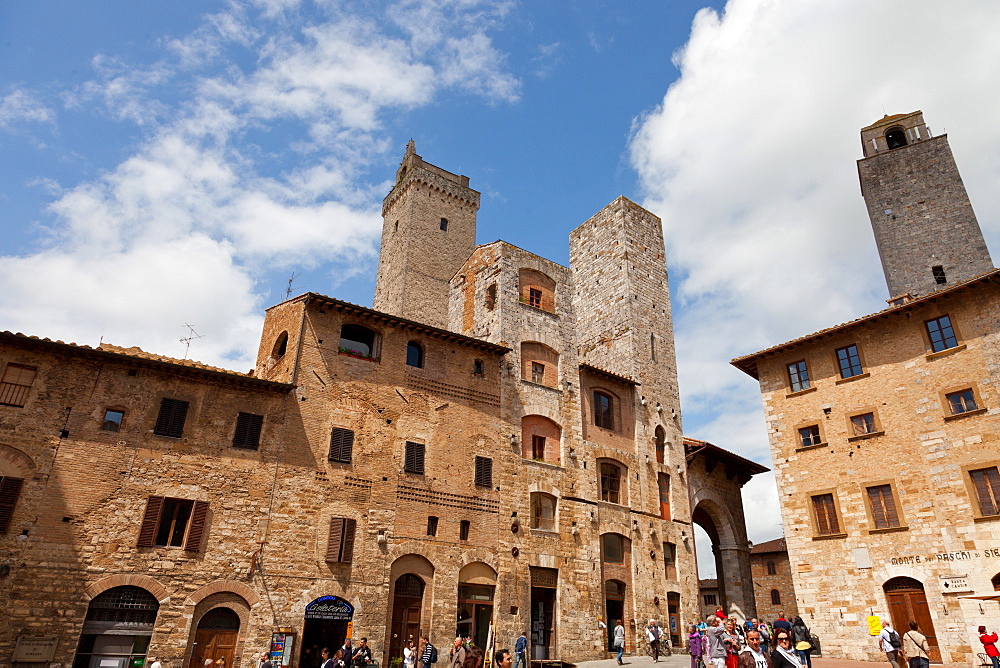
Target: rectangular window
x,y
463,529
798,376
10,489
962,401
863,424
709,599
340,541
670,560
478,369
538,447
432,525
170,421
809,436
16,383
414,459
535,297
849,361
614,548
171,522
826,515
987,485
537,372
112,420
941,334
341,445
611,480
883,507
603,411
940,277
663,485
484,471
247,434
543,511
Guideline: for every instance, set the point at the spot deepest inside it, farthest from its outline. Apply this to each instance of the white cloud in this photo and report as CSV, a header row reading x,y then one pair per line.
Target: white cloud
x,y
23,106
750,161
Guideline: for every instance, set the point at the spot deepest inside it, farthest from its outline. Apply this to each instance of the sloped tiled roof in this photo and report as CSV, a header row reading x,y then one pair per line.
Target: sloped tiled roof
x,y
609,374
776,545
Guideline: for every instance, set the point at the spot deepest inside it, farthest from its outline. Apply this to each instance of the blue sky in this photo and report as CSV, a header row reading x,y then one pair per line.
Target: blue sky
x,y
172,163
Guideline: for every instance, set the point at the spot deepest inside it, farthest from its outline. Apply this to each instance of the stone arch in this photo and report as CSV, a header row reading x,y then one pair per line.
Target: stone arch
x,y
544,488
541,438
231,586
14,462
209,601
478,572
144,581
712,515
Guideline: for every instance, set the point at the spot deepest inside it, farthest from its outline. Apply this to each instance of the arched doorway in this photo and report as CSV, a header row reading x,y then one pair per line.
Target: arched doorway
x,y
117,629
407,602
326,625
907,601
614,607
476,584
215,639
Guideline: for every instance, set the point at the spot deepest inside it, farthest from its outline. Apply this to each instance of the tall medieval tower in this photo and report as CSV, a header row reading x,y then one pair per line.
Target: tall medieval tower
x,y
428,232
925,229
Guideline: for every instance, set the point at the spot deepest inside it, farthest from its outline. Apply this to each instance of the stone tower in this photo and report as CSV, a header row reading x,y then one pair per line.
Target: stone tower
x,y
428,231
925,229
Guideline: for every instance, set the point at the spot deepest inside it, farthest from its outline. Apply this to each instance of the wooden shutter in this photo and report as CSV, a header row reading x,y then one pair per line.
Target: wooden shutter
x,y
196,528
347,553
414,458
147,532
170,421
340,542
248,428
484,471
826,515
341,445
10,489
883,507
987,484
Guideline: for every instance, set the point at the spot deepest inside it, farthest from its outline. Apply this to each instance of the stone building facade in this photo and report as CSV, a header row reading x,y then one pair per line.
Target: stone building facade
x,y
497,446
772,580
884,430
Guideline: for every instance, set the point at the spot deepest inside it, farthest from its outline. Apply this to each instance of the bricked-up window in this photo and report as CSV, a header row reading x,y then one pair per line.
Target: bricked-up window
x,y
883,507
16,383
798,376
825,511
170,421
962,401
987,485
491,296
775,597
604,410
809,436
941,334
863,424
670,560
340,541
112,420
771,568
463,529
940,278
543,511
10,489
414,355
709,599
613,548
611,482
849,361
341,445
171,522
537,372
414,458
432,525
484,471
660,439
663,485
248,428
535,297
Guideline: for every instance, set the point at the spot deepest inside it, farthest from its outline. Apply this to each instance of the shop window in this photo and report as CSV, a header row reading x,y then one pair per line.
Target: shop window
x,y
170,421
613,548
171,522
941,334
883,507
432,525
825,515
660,438
543,511
358,341
117,628
341,445
611,482
810,436
16,383
484,471
10,490
112,420
771,568
414,355
963,401
986,483
775,597
849,361
340,540
798,376
464,527
603,410
414,458
248,428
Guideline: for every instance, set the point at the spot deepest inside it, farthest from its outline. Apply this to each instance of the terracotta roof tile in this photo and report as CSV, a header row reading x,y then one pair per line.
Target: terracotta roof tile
x,y
776,545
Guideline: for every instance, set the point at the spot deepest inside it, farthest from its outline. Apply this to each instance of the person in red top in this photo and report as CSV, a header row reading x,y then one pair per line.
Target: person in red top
x,y
719,613
990,645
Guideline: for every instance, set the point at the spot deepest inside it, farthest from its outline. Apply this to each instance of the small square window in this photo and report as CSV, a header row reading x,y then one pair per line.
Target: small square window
x,y
798,376
112,420
173,523
170,421
535,297
432,525
537,372
863,424
809,436
15,385
849,361
463,529
962,401
941,334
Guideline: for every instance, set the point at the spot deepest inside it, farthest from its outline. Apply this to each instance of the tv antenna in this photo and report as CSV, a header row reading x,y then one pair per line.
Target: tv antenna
x,y
189,338
288,290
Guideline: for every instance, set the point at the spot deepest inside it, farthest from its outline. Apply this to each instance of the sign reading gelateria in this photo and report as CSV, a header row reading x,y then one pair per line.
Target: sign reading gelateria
x,y
962,555
330,607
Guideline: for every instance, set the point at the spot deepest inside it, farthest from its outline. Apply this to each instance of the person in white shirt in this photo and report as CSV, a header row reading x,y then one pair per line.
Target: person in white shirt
x,y
752,656
889,642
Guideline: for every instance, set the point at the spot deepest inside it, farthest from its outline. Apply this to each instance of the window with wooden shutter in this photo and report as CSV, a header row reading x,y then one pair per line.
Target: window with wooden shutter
x,y
248,427
883,507
10,489
196,528
414,459
147,532
484,472
825,512
341,445
170,421
171,522
987,485
15,384
340,542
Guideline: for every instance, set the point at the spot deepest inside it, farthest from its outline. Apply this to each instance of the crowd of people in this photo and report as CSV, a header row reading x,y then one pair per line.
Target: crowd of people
x,y
723,642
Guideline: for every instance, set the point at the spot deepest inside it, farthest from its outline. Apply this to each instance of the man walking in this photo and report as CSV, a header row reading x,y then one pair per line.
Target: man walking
x,y
429,653
716,646
521,651
653,636
889,642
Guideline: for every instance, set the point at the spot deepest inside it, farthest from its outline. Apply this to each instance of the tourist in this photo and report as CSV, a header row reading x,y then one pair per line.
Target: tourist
x,y
653,635
989,641
731,639
751,656
915,647
782,623
619,640
800,638
521,651
457,654
362,655
783,656
428,652
695,647
409,654
890,643
716,635
502,659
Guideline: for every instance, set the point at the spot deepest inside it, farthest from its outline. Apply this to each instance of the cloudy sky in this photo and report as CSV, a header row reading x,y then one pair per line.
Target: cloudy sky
x,y
172,163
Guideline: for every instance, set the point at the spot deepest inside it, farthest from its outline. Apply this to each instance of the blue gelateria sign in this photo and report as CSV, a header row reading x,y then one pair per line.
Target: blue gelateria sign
x,y
331,608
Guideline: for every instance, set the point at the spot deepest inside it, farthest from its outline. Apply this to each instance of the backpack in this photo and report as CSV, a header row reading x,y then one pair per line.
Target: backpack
x,y
434,654
894,640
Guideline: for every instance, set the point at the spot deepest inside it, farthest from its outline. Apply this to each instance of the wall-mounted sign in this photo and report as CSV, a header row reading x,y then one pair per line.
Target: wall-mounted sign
x,y
281,648
330,607
961,555
955,583
35,649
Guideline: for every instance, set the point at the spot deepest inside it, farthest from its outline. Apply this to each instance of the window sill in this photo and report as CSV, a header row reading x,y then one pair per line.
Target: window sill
x,y
986,518
538,309
550,533
364,357
803,448
541,385
858,377
945,352
799,393
889,529
956,416
861,437
830,536
540,462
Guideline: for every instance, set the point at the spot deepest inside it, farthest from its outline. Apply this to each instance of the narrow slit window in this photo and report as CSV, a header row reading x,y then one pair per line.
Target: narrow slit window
x,y
940,277
432,525
463,529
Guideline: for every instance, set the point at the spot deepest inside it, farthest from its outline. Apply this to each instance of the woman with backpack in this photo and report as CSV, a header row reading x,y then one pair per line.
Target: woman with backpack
x,y
801,642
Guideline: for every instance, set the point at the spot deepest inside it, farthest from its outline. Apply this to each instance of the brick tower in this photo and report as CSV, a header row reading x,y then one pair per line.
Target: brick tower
x,y
428,231
925,229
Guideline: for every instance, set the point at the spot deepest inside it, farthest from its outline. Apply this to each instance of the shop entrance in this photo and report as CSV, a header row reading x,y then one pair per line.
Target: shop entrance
x,y
673,617
476,584
614,603
544,582
407,601
117,629
215,639
327,624
907,601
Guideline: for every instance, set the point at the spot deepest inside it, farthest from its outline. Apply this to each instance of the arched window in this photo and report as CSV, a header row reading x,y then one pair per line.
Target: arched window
x,y
414,355
613,548
280,346
996,582
536,289
357,341
604,407
775,597
661,441
117,628
543,511
611,482
539,364
540,439
771,569
491,296
895,137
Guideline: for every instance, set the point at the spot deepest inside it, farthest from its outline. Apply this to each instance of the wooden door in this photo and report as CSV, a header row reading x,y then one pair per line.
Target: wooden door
x,y
911,604
214,644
